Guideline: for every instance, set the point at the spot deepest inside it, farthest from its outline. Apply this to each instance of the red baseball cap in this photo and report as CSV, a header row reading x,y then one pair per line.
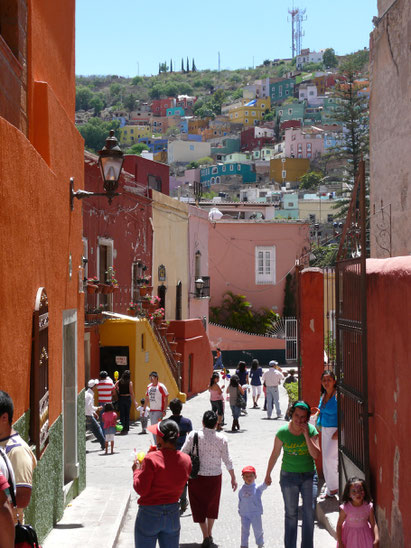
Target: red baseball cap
x,y
248,470
154,429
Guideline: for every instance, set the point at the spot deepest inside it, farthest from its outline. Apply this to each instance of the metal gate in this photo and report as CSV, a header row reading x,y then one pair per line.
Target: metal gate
x,y
291,340
351,323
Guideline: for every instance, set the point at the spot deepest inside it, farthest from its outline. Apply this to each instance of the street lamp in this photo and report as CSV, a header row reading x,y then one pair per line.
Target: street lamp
x,y
199,283
110,160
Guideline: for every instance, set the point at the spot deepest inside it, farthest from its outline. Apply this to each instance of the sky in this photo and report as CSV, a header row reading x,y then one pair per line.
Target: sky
x,y
130,37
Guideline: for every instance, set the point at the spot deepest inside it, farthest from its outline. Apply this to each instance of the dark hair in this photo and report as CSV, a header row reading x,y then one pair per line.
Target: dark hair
x,y
6,405
142,400
325,373
125,377
209,419
291,372
306,406
170,431
242,367
108,407
103,374
154,374
176,406
234,381
254,364
346,494
214,376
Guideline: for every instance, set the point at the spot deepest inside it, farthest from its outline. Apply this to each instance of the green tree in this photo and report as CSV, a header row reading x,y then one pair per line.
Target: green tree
x,y
156,91
182,65
162,67
171,65
329,58
95,132
266,62
97,103
83,98
188,66
137,149
311,180
137,80
130,102
115,89
323,256
193,67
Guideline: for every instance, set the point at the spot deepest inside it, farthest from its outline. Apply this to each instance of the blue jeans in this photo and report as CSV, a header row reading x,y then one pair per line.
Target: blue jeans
x,y
236,411
272,398
124,405
292,484
160,522
254,520
93,425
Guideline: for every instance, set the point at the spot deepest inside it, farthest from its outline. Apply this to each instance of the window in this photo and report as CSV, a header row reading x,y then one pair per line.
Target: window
x,y
265,265
212,181
312,217
330,218
214,170
231,167
308,147
290,111
131,130
191,147
238,167
224,168
246,120
253,113
246,112
280,112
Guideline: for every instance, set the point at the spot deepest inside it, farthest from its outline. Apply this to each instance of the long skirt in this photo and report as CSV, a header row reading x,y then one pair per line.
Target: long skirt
x,y
204,493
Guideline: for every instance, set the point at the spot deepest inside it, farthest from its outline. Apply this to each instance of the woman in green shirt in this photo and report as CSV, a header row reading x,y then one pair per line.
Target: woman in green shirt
x,y
299,441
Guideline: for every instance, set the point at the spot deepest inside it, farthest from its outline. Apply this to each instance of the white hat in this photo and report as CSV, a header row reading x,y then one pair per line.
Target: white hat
x,y
92,383
272,363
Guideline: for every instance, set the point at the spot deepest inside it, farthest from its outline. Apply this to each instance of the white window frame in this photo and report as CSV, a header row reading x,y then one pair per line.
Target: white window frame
x,y
265,265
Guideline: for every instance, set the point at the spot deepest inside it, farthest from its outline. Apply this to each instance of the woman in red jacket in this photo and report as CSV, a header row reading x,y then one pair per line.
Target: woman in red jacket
x,y
159,481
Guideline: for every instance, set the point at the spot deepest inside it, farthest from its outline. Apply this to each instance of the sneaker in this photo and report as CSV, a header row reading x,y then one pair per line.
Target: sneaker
x,y
261,546
279,416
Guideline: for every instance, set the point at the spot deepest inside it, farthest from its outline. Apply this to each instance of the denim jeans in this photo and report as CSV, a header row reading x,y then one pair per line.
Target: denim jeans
x,y
272,399
93,425
155,417
160,522
236,411
124,404
292,484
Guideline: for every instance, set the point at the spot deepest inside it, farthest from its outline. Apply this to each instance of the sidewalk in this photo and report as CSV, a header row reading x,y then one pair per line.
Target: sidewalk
x,y
95,518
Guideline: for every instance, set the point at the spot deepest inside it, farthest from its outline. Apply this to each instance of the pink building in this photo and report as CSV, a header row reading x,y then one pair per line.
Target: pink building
x,y
252,258
303,142
189,178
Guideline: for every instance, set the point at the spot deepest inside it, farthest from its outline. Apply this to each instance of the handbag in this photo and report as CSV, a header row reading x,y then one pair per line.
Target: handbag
x,y
195,458
25,535
240,401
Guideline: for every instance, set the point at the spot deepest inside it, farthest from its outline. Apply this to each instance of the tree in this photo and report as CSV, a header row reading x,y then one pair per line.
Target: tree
x,y
83,98
266,62
130,102
97,103
162,67
310,180
156,91
115,90
137,149
182,65
188,66
329,58
352,113
95,132
171,65
136,81
193,67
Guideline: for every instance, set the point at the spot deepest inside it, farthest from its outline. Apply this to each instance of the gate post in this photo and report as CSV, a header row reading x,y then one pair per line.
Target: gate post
x,y
311,308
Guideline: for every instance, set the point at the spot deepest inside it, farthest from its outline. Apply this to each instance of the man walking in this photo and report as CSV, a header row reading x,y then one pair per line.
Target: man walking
x,y
91,413
19,453
105,387
156,398
272,378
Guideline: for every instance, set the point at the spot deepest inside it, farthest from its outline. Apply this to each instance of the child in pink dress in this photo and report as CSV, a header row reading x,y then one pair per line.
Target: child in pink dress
x,y
109,418
356,527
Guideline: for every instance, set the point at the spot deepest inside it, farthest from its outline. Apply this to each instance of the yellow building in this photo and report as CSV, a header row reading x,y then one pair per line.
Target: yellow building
x,y
288,169
249,112
129,135
170,254
144,354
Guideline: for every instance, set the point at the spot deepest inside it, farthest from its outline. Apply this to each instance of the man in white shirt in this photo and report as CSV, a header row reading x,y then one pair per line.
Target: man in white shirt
x,y
91,413
272,378
156,399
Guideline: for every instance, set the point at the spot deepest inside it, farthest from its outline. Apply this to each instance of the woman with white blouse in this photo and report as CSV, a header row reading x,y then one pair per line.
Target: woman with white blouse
x,y
205,490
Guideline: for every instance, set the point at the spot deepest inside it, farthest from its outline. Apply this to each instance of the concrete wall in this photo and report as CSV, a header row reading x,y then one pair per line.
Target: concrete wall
x,y
187,151
198,225
389,385
390,120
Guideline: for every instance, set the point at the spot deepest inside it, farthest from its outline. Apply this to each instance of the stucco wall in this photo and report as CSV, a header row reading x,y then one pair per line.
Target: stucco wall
x,y
389,385
232,259
197,242
390,121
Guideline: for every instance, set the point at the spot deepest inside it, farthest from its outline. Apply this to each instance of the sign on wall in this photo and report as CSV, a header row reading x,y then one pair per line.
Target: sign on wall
x,y
161,273
39,378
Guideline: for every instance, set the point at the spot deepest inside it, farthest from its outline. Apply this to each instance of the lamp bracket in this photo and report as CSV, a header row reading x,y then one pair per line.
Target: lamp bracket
x,y
80,194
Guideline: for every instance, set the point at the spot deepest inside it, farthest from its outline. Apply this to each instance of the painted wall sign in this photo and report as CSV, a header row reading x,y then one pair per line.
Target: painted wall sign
x,y
39,378
162,273
121,360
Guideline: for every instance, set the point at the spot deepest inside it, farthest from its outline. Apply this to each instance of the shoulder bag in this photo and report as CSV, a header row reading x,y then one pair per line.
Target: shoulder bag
x,y
240,402
195,458
25,535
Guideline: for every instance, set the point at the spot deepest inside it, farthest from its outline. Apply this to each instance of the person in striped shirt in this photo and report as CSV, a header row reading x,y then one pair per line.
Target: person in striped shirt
x,y
105,387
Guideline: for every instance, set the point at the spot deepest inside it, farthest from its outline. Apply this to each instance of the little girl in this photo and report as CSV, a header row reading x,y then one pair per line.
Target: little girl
x,y
109,422
356,527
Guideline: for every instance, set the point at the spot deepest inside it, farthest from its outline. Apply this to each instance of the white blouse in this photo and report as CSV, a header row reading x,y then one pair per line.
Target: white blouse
x,y
212,449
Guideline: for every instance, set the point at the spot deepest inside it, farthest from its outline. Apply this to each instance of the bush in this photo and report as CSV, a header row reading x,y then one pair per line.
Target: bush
x,y
292,391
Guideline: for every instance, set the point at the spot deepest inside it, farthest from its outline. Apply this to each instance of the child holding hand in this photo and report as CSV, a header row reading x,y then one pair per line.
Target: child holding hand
x,y
356,527
250,507
109,418
144,414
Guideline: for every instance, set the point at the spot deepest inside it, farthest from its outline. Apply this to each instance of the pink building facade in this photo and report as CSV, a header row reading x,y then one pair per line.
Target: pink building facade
x,y
198,231
252,258
303,143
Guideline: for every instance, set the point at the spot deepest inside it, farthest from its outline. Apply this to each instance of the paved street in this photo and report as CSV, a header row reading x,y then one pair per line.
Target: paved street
x,y
97,515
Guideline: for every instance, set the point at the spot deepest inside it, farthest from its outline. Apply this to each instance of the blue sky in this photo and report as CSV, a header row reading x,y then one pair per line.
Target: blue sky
x,y
126,37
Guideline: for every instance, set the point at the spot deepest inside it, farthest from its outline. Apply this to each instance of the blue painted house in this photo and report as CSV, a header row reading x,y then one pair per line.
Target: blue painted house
x,y
154,145
212,175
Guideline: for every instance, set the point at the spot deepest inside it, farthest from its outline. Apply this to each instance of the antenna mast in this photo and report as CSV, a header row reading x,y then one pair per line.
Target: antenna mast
x,y
297,17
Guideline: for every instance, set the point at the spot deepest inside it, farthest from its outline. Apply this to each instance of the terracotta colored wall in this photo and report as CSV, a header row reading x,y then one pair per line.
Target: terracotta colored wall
x,y
141,168
230,339
232,259
192,339
125,221
311,333
389,385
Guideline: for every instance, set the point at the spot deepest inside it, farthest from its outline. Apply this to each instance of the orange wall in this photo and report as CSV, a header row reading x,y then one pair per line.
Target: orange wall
x,y
389,385
230,339
38,232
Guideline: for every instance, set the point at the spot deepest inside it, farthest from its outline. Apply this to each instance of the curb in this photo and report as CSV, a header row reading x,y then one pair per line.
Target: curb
x,y
325,522
112,542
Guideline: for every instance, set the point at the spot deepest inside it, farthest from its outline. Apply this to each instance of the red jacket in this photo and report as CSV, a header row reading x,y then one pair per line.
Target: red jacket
x,y
162,477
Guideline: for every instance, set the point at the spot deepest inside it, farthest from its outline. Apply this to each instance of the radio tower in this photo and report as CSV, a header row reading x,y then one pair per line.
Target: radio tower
x,y
297,17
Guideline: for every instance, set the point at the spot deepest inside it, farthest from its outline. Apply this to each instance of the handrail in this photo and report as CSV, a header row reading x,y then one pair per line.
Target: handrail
x,y
173,364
